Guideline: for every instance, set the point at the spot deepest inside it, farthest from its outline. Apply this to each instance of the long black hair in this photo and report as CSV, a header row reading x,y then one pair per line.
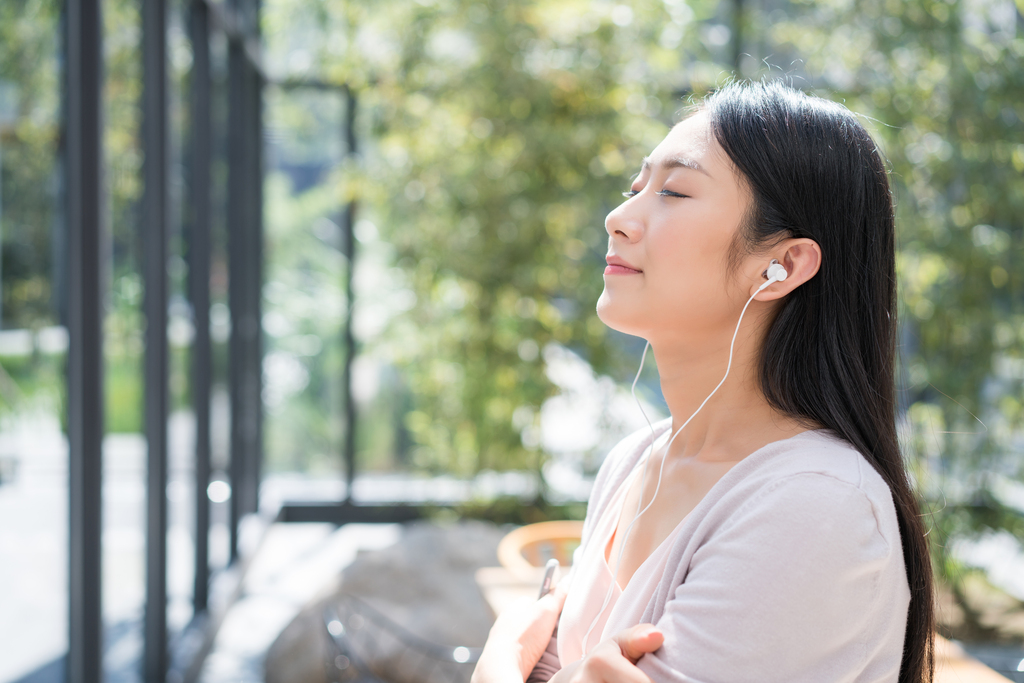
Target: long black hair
x,y
829,354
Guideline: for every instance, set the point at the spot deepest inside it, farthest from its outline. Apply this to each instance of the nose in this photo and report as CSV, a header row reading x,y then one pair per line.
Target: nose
x,y
624,222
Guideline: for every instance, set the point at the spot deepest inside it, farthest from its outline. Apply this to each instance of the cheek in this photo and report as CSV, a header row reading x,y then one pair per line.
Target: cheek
x,y
692,255
690,276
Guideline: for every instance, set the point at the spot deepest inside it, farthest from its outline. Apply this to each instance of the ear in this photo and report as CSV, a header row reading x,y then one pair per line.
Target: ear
x,y
801,257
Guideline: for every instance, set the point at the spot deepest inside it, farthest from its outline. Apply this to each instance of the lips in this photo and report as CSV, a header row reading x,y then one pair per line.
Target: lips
x,y
617,266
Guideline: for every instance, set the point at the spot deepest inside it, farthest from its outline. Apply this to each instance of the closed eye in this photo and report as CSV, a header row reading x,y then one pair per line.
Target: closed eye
x,y
670,193
630,193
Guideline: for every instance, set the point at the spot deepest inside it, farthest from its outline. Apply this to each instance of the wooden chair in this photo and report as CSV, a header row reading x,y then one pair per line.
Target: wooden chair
x,y
523,550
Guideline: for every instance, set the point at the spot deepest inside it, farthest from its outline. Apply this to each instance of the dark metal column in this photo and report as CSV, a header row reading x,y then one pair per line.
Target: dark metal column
x,y
83,60
245,254
241,256
199,245
154,238
255,341
236,277
348,235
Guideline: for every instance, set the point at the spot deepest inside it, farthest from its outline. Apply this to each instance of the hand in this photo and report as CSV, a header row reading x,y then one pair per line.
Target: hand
x,y
518,639
614,660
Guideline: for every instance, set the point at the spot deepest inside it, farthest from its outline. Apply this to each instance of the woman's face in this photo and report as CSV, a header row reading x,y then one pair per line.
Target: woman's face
x,y
669,242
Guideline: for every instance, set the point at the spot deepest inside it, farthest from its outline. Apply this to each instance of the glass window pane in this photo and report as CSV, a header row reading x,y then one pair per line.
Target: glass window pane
x,y
33,345
124,452
180,332
220,315
304,298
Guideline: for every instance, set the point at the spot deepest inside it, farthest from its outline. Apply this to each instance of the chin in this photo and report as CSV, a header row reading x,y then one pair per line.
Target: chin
x,y
619,315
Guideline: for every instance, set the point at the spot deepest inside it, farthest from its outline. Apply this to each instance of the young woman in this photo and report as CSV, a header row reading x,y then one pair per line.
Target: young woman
x,y
767,531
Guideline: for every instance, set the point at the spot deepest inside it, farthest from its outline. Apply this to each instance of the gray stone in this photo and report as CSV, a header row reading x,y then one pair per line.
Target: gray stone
x,y
425,584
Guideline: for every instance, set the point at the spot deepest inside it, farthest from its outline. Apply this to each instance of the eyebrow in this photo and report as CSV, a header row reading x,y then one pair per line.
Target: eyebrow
x,y
676,162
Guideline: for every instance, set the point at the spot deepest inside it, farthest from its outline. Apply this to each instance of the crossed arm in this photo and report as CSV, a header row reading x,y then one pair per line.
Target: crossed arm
x,y
519,637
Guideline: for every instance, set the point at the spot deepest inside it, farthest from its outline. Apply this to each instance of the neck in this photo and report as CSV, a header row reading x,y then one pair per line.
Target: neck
x,y
737,419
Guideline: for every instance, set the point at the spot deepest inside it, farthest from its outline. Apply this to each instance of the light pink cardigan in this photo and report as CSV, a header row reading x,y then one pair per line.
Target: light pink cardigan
x,y
790,569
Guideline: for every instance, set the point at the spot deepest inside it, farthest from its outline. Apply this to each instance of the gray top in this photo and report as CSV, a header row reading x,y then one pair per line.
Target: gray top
x,y
790,569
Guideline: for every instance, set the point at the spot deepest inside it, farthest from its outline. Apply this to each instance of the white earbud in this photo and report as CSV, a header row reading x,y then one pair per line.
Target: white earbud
x,y
776,272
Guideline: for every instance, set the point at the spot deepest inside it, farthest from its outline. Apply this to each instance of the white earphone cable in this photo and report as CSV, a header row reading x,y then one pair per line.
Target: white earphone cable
x,y
661,467
643,480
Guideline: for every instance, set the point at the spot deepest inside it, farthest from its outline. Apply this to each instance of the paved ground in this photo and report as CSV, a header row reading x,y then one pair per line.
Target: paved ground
x,y
295,563
33,545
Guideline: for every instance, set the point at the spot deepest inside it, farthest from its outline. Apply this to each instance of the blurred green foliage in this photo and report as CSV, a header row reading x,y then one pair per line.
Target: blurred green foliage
x,y
494,137
29,174
31,196
943,85
122,123
498,134
304,302
30,216
509,510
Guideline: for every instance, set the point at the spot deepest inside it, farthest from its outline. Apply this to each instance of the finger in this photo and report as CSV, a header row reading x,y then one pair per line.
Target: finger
x,y
607,664
562,586
556,598
639,640
550,605
546,611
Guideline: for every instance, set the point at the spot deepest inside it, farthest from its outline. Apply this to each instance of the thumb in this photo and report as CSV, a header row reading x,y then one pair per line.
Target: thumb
x,y
637,641
554,600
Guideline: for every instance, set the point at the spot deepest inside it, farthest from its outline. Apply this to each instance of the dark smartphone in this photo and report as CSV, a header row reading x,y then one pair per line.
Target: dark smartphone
x,y
549,576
